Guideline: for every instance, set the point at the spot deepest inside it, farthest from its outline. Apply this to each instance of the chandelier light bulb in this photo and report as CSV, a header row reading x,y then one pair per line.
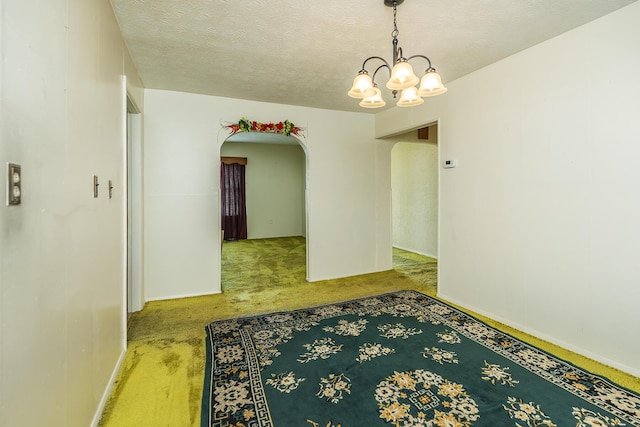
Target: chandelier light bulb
x,y
431,84
409,98
374,101
402,76
362,86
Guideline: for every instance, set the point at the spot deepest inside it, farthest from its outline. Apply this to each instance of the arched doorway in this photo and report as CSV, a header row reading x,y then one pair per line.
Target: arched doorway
x,y
276,186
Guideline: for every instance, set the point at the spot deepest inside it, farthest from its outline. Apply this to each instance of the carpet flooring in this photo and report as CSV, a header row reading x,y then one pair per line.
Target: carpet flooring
x,y
161,379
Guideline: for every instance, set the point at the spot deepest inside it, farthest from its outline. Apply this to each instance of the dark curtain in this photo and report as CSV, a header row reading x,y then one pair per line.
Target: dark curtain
x,y
234,209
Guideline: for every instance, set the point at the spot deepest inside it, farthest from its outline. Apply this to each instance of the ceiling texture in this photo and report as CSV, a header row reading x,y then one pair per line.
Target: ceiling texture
x,y
305,52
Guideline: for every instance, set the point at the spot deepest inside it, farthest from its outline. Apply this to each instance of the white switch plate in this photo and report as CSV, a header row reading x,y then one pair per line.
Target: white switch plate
x,y
450,163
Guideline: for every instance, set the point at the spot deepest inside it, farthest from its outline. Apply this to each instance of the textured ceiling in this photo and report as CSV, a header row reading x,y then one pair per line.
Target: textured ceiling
x,y
305,52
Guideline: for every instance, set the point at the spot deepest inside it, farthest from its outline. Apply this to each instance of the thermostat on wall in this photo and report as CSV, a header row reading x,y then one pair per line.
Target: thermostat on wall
x,y
451,163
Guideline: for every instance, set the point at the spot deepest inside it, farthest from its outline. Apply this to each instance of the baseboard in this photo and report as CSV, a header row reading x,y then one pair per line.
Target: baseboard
x,y
537,334
107,392
415,252
184,296
323,278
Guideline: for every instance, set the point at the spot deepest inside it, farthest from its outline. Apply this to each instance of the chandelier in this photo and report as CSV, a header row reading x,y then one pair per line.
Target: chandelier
x,y
401,77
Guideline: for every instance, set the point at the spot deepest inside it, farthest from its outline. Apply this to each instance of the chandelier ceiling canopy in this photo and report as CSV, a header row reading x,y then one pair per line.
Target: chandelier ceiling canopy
x,y
402,77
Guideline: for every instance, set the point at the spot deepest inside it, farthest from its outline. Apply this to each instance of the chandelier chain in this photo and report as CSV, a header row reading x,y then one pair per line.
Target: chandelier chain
x,y
395,31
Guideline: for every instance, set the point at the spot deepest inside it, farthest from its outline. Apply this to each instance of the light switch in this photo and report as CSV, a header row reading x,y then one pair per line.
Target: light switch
x,y
95,186
14,184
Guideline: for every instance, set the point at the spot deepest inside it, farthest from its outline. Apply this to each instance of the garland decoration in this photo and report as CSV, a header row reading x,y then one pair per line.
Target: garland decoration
x,y
285,128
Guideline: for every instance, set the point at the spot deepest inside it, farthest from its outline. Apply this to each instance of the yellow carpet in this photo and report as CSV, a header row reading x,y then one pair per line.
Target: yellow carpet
x,y
160,383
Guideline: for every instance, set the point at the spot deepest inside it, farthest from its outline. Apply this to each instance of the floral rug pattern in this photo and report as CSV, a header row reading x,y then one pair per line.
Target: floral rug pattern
x,y
399,359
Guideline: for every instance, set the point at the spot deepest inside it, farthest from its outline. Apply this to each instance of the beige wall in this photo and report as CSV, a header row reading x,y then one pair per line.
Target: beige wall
x,y
539,222
62,305
348,199
275,177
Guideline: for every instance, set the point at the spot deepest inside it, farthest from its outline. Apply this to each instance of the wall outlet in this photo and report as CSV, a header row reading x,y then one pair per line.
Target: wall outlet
x,y
14,184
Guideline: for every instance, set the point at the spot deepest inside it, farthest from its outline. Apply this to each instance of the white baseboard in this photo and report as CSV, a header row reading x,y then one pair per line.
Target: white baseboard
x,y
553,340
183,296
415,252
107,392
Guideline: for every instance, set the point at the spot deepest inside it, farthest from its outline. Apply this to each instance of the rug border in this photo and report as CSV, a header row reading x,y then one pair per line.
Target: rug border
x,y
205,416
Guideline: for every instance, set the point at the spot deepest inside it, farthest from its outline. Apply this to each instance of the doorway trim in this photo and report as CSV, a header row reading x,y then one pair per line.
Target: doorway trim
x,y
132,211
135,209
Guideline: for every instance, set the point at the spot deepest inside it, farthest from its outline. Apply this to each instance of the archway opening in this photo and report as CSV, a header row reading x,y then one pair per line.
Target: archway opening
x,y
414,184
415,207
276,202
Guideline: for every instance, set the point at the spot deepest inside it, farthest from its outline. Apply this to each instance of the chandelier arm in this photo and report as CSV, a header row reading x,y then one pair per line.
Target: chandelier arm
x,y
385,65
374,57
398,56
422,56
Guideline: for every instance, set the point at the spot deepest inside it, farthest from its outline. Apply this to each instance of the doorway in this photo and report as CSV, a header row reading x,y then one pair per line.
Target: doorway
x,y
276,186
134,201
414,184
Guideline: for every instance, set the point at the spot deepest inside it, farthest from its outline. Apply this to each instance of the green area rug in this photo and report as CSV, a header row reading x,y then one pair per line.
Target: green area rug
x,y
401,359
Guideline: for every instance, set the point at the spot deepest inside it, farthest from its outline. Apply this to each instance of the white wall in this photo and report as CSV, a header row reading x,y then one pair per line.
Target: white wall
x,y
275,186
414,182
348,214
539,222
61,251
